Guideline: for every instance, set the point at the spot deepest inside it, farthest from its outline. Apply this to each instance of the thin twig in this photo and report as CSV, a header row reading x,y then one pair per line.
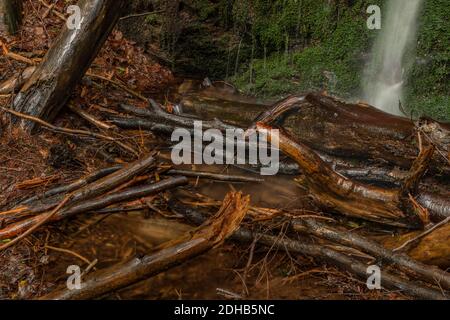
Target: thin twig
x,y
118,85
90,118
39,224
68,130
79,256
136,15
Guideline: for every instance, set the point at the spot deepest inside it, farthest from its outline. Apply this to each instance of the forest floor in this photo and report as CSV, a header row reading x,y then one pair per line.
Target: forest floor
x,y
30,165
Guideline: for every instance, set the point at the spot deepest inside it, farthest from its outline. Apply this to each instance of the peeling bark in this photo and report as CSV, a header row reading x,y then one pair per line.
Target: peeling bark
x,y
50,86
211,234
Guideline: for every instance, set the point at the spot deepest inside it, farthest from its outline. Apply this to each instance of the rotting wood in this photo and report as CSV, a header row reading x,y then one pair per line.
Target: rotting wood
x,y
210,235
339,193
323,253
322,123
93,204
431,274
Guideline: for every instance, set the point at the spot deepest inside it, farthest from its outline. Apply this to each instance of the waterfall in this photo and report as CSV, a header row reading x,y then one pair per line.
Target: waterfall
x,y
385,75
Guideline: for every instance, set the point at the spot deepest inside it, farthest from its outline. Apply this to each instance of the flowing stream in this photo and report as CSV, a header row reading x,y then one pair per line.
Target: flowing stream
x,y
384,78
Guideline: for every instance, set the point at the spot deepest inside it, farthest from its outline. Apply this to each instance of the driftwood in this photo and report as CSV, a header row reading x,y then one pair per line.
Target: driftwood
x,y
162,122
84,192
341,194
211,234
94,204
10,15
353,240
322,123
50,86
433,249
74,185
340,260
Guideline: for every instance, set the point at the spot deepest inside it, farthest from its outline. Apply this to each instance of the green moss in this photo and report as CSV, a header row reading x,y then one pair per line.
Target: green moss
x,y
334,63
328,48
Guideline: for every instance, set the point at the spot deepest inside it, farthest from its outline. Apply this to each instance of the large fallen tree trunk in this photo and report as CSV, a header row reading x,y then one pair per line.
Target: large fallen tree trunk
x,y
349,131
50,86
341,194
10,15
359,131
163,122
209,235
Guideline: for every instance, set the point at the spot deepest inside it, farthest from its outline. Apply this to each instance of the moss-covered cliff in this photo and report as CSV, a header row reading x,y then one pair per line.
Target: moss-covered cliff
x,y
273,48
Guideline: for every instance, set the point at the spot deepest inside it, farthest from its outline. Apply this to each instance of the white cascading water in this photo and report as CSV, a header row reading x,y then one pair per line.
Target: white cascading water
x,y
385,75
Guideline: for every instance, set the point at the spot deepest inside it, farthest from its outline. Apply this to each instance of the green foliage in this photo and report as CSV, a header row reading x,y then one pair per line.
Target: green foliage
x,y
327,47
429,83
434,106
331,63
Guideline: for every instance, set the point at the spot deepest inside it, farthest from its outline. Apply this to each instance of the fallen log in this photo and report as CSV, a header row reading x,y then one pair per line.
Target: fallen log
x,y
330,126
357,131
74,185
428,273
360,171
86,191
10,15
94,204
437,204
341,194
156,114
433,249
210,235
50,86
323,253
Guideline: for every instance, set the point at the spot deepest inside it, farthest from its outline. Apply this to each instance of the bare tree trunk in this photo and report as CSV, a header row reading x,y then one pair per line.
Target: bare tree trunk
x,y
49,88
10,15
